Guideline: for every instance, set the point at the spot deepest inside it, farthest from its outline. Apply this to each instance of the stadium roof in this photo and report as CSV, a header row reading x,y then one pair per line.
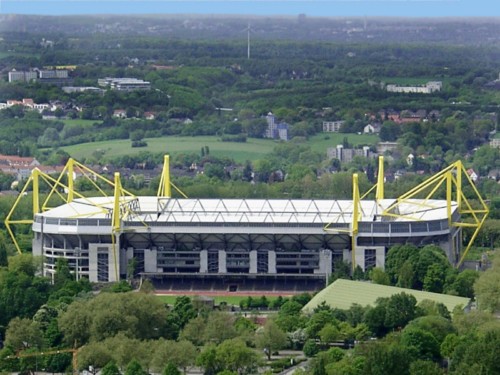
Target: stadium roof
x,y
305,211
342,294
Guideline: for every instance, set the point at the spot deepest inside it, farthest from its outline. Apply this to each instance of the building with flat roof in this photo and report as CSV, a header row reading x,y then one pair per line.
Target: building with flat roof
x,y
124,84
332,126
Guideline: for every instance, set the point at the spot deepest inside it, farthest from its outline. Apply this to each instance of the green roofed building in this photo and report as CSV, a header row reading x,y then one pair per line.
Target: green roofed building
x,y
342,294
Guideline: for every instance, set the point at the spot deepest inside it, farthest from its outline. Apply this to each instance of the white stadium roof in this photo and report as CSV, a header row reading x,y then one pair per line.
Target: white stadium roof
x,y
151,208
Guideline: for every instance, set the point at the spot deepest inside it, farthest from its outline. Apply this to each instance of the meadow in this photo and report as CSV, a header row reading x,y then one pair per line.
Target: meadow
x,y
253,149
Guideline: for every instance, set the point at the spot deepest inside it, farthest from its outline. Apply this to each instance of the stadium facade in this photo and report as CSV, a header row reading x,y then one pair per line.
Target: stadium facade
x,y
237,240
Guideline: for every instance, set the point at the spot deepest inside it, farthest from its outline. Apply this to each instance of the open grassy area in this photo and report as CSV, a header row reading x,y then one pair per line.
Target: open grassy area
x,y
410,81
77,121
250,150
253,149
230,300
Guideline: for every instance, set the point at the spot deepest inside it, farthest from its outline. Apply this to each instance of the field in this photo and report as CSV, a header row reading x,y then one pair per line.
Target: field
x,y
253,149
84,123
410,81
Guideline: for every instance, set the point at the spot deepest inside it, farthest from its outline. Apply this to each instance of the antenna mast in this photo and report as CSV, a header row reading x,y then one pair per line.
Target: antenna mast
x,y
248,41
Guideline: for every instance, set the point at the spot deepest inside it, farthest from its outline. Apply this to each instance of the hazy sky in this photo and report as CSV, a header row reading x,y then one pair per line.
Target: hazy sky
x,y
406,8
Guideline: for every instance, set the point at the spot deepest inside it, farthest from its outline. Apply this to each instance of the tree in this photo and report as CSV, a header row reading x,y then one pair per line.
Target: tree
x,y
234,355
378,276
389,131
434,279
139,315
270,337
289,316
135,368
207,360
4,261
63,273
329,333
421,367
395,259
23,333
219,327
110,369
194,331
310,348
438,326
487,288
171,369
383,357
400,310
422,344
23,263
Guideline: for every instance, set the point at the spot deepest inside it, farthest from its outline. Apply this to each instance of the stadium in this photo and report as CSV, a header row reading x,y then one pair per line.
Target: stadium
x,y
240,244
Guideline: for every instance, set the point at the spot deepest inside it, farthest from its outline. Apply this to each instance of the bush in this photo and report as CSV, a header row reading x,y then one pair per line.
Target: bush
x,y
139,144
242,138
310,348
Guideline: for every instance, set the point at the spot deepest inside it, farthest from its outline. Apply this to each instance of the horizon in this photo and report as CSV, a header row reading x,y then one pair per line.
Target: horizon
x,y
428,9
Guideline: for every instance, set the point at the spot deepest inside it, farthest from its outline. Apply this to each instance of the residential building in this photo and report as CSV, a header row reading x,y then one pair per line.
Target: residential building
x,y
495,142
124,84
19,166
120,113
73,89
472,175
346,155
271,126
275,129
372,128
332,126
428,88
59,73
15,76
383,147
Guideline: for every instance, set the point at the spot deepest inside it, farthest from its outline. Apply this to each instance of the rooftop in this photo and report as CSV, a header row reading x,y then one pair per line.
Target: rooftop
x,y
342,294
151,208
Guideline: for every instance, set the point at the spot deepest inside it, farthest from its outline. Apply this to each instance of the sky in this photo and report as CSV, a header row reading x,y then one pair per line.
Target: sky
x,y
329,8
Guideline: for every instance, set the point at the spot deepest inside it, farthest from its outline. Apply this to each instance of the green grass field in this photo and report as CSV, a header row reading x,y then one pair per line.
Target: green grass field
x,y
84,123
3,55
402,81
253,149
230,300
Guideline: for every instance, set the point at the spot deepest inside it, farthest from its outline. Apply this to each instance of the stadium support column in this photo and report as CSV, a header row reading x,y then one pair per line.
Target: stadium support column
x,y
71,177
380,179
164,190
222,261
271,262
325,264
116,227
36,192
203,261
253,261
150,260
355,218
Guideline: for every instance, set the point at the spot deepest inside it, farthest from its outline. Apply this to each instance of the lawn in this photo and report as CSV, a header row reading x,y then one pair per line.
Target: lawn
x,y
253,149
410,81
77,121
